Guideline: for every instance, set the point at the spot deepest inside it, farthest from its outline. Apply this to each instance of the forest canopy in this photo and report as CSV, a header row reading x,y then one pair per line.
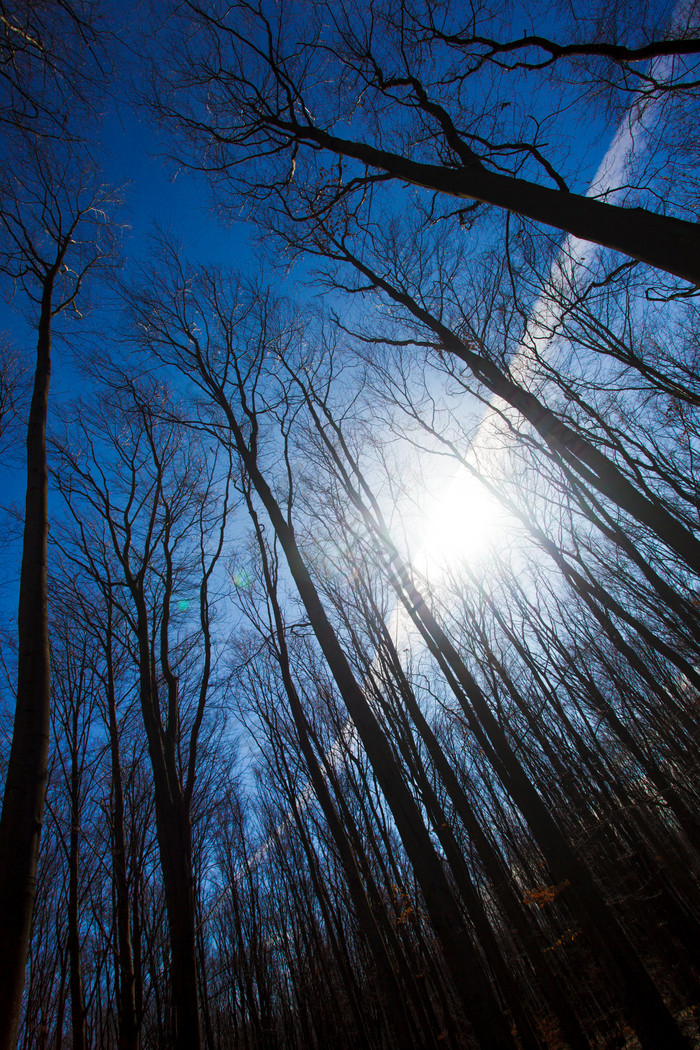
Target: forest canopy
x,y
351,618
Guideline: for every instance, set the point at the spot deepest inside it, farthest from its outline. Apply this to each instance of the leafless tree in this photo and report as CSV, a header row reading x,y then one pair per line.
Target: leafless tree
x,y
56,229
153,507
251,88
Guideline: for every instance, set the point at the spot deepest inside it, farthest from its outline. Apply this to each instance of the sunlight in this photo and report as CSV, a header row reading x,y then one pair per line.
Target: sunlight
x,y
461,522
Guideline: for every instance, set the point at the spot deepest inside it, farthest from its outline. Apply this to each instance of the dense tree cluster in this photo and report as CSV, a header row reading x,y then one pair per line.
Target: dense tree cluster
x,y
357,678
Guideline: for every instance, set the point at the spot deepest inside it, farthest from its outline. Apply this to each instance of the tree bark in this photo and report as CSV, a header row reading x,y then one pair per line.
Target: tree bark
x,y
25,788
175,845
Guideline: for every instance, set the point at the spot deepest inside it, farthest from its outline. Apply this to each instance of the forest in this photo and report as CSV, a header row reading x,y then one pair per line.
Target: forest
x,y
350,604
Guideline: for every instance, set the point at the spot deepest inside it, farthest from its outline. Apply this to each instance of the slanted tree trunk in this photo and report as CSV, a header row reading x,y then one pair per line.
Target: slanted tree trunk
x,y
576,452
396,1009
645,1007
497,873
473,988
663,241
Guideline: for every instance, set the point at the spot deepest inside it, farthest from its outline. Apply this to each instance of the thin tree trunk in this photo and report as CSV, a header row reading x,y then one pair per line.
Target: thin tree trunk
x,y
126,980
77,998
174,834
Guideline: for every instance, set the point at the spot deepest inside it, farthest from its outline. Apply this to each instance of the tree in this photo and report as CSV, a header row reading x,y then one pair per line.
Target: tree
x,y
276,634
250,88
52,65
196,334
649,1013
13,393
268,376
153,508
468,814
90,641
56,230
75,696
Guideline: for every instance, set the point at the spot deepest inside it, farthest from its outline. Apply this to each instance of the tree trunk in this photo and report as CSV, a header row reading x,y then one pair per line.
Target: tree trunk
x,y
126,980
665,242
473,988
645,1007
25,788
493,866
174,834
175,845
77,998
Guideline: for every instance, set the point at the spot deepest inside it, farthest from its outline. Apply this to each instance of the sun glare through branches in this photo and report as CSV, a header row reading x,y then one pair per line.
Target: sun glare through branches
x,y
462,522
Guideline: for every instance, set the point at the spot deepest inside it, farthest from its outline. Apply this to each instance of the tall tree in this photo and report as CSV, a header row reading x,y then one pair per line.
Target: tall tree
x,y
56,229
234,382
158,522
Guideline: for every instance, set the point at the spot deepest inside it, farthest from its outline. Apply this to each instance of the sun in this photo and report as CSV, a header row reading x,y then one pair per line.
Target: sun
x,y
462,522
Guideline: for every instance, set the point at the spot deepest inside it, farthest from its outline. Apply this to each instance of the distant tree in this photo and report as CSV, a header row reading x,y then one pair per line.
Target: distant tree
x,y
146,506
13,394
75,696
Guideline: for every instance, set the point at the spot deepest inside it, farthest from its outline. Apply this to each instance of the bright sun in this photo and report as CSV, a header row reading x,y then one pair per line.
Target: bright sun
x,y
462,522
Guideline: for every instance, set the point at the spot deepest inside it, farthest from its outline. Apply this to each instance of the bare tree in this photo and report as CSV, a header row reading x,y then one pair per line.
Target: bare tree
x,y
650,1014
250,87
13,394
56,229
53,62
153,507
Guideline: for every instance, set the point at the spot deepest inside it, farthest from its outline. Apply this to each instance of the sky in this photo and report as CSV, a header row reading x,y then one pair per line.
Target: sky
x,y
132,153
460,519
